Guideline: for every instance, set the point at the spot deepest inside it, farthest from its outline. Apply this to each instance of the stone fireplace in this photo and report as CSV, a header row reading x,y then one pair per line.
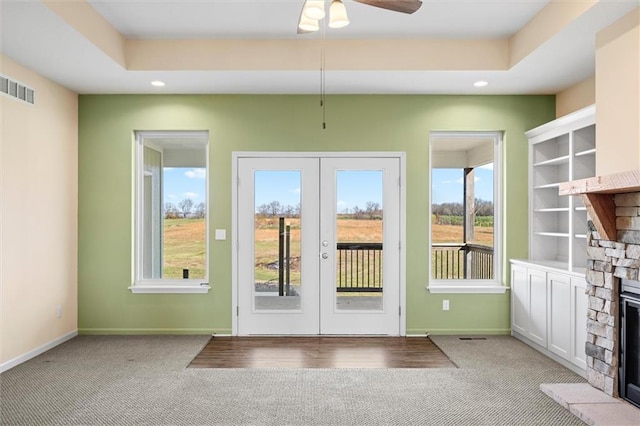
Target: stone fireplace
x,y
610,261
613,252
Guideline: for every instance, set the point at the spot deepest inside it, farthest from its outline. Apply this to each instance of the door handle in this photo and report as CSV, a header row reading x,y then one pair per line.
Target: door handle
x,y
325,255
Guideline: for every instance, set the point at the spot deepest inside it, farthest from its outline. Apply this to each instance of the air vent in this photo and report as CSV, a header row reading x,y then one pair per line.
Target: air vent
x,y
17,90
472,338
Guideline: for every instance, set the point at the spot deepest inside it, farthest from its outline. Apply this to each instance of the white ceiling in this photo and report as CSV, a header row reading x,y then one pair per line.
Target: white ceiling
x,y
161,19
34,36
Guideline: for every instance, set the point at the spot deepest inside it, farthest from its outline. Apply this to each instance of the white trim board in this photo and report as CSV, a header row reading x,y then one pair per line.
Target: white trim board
x,y
37,351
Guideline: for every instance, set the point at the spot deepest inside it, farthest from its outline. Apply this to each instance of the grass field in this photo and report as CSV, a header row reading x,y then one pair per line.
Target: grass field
x,y
185,243
184,248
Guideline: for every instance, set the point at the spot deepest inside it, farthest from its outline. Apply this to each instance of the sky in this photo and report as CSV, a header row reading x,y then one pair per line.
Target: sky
x,y
180,183
447,184
354,188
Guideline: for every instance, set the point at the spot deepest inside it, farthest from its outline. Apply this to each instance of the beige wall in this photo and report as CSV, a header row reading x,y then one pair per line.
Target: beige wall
x,y
38,215
578,96
618,96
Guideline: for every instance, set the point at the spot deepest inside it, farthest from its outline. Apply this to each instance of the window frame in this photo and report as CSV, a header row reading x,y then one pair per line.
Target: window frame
x,y
495,285
162,285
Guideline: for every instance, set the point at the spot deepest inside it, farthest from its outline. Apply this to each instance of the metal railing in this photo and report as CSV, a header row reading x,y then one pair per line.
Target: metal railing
x,y
461,261
359,267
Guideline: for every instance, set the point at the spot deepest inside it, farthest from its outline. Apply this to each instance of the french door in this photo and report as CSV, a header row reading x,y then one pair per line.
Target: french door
x,y
318,242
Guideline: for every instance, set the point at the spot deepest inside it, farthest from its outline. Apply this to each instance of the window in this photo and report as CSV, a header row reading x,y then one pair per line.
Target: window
x,y
465,221
171,217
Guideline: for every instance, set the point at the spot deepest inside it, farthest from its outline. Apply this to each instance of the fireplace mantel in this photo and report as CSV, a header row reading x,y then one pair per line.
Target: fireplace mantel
x,y
597,195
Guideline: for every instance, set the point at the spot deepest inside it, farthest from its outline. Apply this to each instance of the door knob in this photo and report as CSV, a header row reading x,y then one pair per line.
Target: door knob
x,y
325,256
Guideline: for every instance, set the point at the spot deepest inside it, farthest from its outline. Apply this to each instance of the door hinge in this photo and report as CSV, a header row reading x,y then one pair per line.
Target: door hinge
x,y
237,311
399,311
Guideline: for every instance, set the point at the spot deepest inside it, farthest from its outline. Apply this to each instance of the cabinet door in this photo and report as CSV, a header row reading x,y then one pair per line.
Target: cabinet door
x,y
537,292
519,300
579,303
559,318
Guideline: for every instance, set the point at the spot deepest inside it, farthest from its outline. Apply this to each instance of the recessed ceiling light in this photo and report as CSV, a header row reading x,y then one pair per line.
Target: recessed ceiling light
x,y
480,83
157,83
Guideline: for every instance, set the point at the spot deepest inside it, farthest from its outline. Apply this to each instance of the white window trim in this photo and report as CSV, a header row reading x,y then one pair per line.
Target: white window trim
x,y
163,286
496,285
169,287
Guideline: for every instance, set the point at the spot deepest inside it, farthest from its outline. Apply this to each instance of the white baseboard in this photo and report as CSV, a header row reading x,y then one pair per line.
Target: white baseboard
x,y
37,351
571,366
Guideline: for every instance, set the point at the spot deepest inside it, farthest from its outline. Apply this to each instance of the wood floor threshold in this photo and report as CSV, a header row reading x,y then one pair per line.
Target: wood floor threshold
x,y
321,352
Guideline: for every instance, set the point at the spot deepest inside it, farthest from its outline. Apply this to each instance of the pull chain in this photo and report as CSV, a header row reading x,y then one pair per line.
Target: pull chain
x,y
323,103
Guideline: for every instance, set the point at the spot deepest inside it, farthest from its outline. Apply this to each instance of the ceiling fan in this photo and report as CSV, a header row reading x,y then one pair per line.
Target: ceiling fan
x,y
313,11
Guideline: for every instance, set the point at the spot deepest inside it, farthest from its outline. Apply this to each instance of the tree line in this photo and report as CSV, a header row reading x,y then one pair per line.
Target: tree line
x,y
185,209
482,208
274,209
372,210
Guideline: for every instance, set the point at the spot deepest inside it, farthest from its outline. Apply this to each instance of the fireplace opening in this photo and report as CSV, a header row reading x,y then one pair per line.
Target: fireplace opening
x,y
629,373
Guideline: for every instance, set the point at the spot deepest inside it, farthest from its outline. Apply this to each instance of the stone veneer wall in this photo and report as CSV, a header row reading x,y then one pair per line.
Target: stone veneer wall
x,y
607,262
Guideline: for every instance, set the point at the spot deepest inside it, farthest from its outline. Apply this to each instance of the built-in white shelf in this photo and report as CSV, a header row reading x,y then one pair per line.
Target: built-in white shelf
x,y
552,210
553,161
552,234
548,186
586,152
560,151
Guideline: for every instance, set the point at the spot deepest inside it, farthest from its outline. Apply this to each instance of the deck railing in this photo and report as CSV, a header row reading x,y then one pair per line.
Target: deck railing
x,y
359,267
461,261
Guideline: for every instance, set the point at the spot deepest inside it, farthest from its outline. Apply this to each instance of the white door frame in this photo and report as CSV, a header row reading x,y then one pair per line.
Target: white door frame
x,y
236,155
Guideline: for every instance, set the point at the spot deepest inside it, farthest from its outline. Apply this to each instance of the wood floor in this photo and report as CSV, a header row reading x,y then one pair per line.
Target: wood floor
x,y
321,352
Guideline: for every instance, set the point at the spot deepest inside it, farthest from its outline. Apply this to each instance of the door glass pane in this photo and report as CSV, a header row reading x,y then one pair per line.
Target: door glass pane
x,y
277,283
359,223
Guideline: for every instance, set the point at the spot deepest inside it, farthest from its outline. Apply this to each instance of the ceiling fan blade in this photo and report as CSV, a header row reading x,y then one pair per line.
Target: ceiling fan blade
x,y
404,6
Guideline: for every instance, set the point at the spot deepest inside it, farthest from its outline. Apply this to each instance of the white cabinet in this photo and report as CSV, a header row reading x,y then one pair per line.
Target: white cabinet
x,y
560,151
519,299
549,311
537,306
579,305
559,299
529,303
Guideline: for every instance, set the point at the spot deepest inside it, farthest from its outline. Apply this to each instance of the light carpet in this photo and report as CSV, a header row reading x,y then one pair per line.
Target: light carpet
x,y
143,380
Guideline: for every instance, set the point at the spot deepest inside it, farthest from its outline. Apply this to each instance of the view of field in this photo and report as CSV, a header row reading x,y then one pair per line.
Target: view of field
x,y
185,243
184,248
453,233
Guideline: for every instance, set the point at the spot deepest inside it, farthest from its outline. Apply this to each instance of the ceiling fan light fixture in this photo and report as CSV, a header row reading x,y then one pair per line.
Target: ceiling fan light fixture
x,y
314,9
308,24
338,15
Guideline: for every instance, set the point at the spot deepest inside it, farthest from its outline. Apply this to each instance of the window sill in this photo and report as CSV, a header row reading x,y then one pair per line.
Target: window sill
x,y
171,289
461,287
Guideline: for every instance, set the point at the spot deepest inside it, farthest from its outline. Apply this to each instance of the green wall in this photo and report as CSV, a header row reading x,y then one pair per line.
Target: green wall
x,y
281,123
